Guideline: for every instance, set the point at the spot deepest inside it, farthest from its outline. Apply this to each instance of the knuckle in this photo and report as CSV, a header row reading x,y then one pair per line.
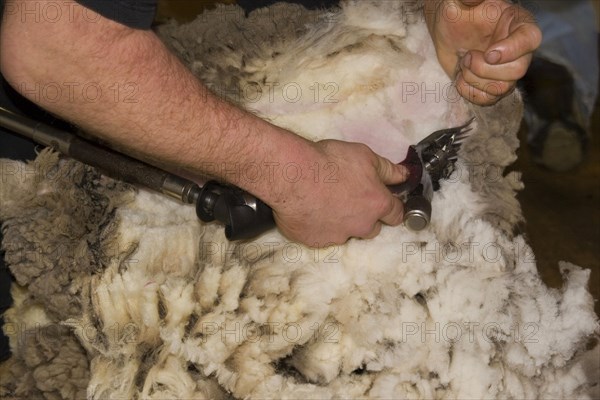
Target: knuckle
x,y
364,232
497,88
375,231
478,68
389,207
398,219
520,69
383,206
535,33
339,240
364,150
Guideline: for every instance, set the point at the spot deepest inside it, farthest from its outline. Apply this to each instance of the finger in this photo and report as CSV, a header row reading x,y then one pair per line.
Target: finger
x,y
374,232
474,94
515,36
390,173
491,87
475,62
395,213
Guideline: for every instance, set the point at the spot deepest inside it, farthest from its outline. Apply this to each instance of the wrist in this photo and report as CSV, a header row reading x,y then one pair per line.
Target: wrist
x,y
277,164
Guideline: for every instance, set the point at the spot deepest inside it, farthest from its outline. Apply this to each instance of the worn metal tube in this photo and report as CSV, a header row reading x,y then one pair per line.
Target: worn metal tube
x,y
110,162
36,131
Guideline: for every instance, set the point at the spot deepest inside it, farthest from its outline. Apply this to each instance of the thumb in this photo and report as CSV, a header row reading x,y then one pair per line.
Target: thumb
x,y
390,173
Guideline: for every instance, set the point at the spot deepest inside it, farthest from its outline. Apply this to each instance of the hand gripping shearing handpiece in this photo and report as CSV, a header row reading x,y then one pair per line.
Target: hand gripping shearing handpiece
x,y
428,162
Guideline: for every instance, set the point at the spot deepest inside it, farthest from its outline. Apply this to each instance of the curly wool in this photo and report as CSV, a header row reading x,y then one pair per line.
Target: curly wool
x,y
455,311
58,222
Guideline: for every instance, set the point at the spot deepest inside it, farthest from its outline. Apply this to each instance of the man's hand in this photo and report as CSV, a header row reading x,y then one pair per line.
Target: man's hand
x,y
486,45
350,200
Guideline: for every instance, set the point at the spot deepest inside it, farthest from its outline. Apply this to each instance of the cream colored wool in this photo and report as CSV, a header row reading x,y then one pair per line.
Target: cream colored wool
x,y
168,308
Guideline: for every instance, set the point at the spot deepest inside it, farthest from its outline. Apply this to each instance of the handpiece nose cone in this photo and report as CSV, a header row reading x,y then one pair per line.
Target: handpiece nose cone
x,y
416,220
417,213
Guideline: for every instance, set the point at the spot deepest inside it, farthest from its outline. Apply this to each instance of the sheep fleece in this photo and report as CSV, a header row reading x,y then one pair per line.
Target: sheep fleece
x,y
122,293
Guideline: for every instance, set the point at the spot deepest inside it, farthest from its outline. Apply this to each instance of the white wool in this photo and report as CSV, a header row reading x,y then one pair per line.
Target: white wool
x,y
455,311
166,256
370,89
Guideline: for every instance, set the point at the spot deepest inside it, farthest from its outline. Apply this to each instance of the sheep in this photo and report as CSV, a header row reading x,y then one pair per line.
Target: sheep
x,y
122,293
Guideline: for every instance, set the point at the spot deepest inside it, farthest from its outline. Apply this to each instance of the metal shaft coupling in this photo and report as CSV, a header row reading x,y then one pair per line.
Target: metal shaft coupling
x,y
244,215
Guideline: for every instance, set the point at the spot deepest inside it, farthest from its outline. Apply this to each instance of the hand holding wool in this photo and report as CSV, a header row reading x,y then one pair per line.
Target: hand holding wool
x,y
485,45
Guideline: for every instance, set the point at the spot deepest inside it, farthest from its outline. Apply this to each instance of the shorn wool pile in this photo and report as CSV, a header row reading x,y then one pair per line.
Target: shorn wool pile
x,y
121,293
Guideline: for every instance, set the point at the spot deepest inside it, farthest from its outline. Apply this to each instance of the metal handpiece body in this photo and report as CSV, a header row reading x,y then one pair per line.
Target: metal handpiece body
x,y
428,162
244,215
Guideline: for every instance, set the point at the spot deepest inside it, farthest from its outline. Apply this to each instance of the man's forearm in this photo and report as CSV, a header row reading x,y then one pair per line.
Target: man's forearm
x,y
166,115
123,85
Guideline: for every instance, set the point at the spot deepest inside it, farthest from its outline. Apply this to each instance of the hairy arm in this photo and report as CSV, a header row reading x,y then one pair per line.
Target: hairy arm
x,y
124,86
173,120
